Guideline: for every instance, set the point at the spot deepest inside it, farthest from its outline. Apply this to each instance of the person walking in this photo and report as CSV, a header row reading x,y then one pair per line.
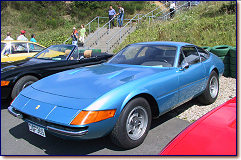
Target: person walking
x,y
82,34
33,38
22,36
74,36
172,10
8,38
112,14
120,15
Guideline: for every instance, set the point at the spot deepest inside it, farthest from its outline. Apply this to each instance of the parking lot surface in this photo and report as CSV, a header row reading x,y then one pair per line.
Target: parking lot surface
x,y
16,139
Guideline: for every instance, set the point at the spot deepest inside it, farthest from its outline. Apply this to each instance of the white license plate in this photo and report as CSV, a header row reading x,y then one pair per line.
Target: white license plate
x,y
36,129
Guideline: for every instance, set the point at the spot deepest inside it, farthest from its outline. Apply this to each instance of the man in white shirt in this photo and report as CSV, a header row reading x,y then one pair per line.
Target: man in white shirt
x,y
8,38
172,9
22,36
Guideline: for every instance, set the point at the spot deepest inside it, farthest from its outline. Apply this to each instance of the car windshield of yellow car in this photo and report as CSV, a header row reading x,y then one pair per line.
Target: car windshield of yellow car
x,y
56,52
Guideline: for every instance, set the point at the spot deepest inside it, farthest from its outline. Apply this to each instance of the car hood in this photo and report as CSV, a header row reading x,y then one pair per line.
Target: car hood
x,y
93,81
6,66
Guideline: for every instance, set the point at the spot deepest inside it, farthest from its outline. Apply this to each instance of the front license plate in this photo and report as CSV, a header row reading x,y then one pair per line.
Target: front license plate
x,y
36,129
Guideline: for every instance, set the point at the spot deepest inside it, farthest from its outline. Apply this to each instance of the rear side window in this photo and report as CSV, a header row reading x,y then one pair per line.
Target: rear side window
x,y
191,55
203,54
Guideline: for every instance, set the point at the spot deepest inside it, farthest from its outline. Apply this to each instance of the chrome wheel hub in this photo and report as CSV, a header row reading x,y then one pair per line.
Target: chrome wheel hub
x,y
136,123
213,87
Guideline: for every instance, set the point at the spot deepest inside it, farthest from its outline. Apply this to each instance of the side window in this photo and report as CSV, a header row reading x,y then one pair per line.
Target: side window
x,y
191,55
19,48
34,48
203,54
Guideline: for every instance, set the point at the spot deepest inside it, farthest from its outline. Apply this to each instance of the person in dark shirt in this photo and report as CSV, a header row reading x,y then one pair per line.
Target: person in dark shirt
x,y
120,16
74,36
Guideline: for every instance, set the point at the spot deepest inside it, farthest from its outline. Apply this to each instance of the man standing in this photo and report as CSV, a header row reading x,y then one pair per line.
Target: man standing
x,y
22,36
112,13
74,36
8,38
121,16
172,9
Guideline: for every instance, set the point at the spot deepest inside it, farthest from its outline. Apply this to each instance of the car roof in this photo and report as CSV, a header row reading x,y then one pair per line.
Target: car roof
x,y
8,41
165,43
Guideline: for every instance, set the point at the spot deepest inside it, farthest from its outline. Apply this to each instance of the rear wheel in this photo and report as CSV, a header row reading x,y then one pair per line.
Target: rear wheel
x,y
211,92
133,124
21,84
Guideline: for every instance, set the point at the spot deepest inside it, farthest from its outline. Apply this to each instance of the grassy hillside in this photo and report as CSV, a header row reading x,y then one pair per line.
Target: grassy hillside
x,y
52,21
209,24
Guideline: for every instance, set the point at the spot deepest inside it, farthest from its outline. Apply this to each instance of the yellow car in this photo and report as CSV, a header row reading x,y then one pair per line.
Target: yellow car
x,y
18,50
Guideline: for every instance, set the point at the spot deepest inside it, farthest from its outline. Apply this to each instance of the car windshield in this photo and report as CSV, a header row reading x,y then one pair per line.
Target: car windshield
x,y
147,55
56,52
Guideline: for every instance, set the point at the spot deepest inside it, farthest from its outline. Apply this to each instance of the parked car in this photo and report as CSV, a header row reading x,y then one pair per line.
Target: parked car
x,y
213,134
16,76
120,97
18,50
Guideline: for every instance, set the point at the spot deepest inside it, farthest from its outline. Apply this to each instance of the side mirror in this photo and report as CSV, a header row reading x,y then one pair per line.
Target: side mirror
x,y
184,66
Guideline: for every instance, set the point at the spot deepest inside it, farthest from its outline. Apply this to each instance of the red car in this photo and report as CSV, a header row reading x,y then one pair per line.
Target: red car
x,y
212,134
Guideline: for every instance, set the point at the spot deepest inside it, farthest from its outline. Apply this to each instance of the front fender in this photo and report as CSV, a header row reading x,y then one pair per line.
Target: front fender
x,y
133,94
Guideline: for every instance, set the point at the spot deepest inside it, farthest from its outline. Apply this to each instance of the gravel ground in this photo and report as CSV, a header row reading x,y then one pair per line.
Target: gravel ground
x,y
227,90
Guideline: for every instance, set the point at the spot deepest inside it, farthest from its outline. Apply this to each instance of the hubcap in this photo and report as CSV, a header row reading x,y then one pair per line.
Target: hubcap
x,y
213,87
136,123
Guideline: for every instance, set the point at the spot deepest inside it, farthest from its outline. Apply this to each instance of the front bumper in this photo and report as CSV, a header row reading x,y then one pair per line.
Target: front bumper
x,y
52,128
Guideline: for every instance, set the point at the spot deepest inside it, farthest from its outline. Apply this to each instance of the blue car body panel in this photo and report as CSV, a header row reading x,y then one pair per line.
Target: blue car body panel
x,y
111,86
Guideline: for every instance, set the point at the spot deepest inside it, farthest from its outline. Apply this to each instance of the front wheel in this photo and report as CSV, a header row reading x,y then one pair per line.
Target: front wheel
x,y
22,83
133,124
210,94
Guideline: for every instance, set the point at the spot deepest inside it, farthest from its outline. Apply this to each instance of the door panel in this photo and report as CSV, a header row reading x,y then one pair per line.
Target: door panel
x,y
191,79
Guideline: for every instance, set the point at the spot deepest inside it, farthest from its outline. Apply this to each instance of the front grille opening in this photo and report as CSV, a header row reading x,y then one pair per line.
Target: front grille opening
x,y
45,123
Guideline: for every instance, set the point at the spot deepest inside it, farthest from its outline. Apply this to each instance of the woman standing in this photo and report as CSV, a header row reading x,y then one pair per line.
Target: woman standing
x,y
82,34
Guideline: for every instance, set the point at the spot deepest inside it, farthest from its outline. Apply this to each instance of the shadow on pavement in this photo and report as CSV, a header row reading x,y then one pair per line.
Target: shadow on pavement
x,y
52,145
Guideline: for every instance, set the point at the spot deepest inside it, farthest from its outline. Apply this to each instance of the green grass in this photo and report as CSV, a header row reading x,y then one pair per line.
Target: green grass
x,y
209,24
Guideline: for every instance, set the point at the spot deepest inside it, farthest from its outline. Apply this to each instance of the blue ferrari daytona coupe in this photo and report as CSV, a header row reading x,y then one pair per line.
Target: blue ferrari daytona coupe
x,y
119,98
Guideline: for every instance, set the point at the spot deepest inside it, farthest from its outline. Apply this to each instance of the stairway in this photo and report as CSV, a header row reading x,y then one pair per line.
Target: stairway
x,y
101,44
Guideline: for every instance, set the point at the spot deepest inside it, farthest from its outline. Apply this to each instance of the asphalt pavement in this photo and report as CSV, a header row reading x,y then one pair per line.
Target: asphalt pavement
x,y
16,139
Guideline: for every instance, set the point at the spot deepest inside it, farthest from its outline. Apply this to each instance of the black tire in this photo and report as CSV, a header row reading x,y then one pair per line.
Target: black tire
x,y
205,97
119,135
21,84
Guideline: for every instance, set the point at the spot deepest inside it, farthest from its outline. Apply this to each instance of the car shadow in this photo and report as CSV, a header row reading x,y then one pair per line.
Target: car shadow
x,y
53,145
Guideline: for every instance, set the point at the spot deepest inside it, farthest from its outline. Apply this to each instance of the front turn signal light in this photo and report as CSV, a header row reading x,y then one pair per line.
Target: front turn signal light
x,y
87,117
4,83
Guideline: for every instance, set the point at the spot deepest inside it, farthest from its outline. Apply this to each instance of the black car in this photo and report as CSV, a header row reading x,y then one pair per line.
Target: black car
x,y
15,76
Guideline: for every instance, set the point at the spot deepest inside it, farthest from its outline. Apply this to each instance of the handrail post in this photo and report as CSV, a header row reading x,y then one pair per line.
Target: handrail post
x,y
89,28
98,21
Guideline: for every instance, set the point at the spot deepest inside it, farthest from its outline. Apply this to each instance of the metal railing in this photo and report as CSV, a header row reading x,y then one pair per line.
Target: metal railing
x,y
88,25
121,33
